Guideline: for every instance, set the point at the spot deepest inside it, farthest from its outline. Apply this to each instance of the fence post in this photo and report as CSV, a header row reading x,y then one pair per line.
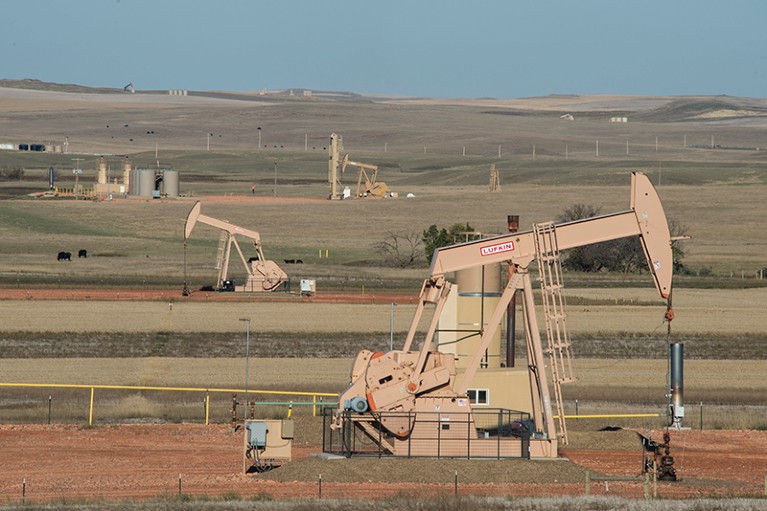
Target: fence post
x,y
319,486
455,485
701,415
90,412
647,485
588,483
179,485
50,398
24,489
314,405
207,408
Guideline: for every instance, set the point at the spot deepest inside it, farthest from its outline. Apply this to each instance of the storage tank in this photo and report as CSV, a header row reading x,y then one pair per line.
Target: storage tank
x,y
133,183
145,182
479,291
170,183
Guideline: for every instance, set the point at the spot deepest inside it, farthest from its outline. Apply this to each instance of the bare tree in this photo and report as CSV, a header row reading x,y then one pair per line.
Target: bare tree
x,y
401,249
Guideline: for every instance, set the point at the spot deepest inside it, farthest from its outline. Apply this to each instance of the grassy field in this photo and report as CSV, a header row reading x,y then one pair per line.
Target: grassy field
x,y
716,193
141,245
711,173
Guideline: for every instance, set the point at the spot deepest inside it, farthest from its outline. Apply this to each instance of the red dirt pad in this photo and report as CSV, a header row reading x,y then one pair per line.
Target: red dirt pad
x,y
145,461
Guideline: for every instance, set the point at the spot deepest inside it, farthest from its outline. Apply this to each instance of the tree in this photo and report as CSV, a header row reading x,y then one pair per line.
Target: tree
x,y
400,249
677,250
12,174
434,237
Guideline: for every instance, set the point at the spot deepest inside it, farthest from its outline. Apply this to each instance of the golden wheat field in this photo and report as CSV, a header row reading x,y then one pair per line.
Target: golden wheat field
x,y
697,310
286,374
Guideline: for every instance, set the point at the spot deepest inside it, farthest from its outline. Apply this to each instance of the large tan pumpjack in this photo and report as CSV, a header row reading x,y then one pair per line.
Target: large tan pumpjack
x,y
263,275
410,403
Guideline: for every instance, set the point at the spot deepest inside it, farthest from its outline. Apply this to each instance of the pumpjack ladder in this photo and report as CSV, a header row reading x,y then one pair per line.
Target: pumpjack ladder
x,y
558,345
223,248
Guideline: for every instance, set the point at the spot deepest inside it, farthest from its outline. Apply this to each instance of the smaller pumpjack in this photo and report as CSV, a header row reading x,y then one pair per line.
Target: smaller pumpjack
x,y
653,459
263,275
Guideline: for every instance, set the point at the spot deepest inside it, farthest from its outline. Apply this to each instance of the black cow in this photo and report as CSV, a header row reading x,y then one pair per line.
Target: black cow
x,y
64,256
82,253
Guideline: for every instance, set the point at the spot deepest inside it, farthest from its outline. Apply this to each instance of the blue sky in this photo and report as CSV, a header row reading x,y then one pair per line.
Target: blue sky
x,y
502,49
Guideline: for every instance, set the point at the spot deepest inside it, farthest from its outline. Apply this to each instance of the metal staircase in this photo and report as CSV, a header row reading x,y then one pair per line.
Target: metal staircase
x,y
558,346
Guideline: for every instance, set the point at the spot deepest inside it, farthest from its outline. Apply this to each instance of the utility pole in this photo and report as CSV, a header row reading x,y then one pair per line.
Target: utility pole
x,y
247,359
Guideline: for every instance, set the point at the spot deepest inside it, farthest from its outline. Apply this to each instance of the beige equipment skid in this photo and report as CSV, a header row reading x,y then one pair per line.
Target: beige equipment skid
x,y
390,393
268,444
263,275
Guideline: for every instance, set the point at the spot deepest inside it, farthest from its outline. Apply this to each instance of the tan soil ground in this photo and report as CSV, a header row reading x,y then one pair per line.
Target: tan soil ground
x,y
142,461
175,294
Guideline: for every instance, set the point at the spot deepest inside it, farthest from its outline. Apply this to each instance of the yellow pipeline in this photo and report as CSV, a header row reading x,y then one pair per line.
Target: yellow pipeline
x,y
173,389
90,410
613,416
268,392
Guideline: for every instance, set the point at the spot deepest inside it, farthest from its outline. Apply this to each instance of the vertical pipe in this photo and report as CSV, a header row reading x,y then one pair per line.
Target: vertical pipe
x,y
391,328
676,350
314,405
512,222
511,326
207,408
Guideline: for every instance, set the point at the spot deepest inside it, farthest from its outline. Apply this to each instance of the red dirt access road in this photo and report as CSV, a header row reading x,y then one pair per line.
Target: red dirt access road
x,y
145,461
198,296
